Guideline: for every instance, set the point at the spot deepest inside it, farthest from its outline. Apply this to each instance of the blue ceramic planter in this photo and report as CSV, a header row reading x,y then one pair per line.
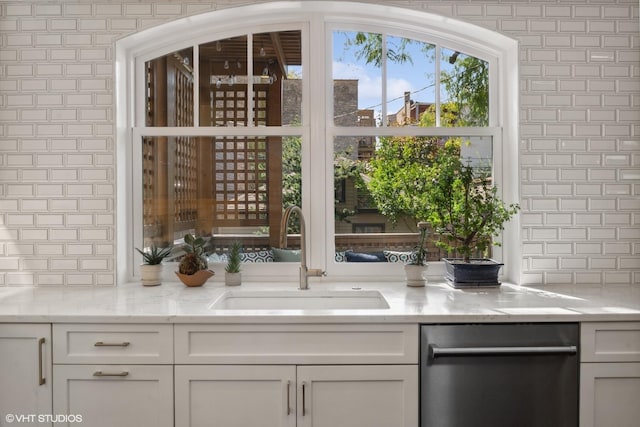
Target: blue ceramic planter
x,y
478,272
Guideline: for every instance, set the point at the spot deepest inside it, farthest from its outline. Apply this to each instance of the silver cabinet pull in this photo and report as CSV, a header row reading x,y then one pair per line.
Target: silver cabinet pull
x,y
304,388
41,379
111,344
288,397
110,374
435,351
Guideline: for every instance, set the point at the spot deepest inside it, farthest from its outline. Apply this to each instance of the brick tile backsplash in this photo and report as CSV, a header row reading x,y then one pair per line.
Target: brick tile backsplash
x,y
579,133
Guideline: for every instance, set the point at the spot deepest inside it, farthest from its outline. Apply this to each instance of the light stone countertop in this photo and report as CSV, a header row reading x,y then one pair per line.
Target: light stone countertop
x,y
436,303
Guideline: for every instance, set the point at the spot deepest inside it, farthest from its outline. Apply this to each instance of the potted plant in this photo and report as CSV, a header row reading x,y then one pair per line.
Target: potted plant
x,y
467,214
151,268
232,275
416,269
193,268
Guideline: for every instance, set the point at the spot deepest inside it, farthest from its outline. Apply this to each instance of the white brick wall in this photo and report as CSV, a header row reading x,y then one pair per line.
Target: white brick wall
x,y
580,133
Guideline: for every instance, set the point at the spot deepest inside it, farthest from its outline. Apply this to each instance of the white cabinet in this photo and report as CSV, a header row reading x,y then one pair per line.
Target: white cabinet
x,y
292,375
106,343
610,374
610,394
25,371
296,344
235,396
358,396
303,396
115,395
114,375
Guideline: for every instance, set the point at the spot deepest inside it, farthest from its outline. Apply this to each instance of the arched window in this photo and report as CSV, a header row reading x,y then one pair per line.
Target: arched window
x,y
226,118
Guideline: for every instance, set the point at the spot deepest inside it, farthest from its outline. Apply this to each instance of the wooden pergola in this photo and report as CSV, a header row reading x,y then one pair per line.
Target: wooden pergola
x,y
204,183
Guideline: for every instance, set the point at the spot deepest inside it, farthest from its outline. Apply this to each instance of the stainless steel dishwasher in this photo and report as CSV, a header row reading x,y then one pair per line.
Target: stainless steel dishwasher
x,y
499,375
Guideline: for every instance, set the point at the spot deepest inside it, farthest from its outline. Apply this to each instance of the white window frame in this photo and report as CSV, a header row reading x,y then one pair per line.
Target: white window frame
x,y
316,19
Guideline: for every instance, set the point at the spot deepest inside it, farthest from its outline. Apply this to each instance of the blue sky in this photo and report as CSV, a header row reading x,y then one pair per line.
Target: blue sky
x,y
417,76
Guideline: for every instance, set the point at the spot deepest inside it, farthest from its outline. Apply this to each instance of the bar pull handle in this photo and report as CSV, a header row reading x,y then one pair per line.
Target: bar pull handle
x,y
111,344
110,374
41,379
304,398
288,397
435,351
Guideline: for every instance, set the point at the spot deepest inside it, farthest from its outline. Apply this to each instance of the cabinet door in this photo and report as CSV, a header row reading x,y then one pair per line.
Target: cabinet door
x,y
358,396
114,395
609,394
235,396
25,371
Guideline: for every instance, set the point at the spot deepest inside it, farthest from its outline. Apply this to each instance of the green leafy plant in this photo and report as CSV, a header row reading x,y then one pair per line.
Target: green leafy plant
x,y
154,255
234,263
195,258
463,206
398,177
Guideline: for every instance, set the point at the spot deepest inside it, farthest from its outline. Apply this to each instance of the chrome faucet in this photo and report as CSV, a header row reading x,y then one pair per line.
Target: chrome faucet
x,y
305,272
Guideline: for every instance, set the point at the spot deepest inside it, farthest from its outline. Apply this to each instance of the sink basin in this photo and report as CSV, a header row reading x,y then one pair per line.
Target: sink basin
x,y
300,300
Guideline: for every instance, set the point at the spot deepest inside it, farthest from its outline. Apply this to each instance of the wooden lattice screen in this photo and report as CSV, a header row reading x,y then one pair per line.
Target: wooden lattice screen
x,y
185,164
240,179
198,184
241,164
169,192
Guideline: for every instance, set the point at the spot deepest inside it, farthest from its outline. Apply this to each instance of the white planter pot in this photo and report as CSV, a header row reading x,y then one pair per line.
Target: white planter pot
x,y
416,275
232,279
150,275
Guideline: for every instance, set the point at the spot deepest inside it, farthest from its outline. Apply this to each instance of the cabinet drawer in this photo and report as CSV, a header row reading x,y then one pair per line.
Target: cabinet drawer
x,y
610,342
114,395
296,344
112,343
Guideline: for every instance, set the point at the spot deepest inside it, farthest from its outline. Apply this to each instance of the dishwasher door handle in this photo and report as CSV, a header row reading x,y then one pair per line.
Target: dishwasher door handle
x,y
435,351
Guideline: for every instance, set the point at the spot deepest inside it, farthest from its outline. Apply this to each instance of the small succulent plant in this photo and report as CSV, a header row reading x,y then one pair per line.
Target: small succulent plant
x,y
234,262
195,258
154,255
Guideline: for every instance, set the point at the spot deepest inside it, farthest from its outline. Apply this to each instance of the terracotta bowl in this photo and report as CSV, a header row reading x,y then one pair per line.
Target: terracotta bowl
x,y
197,279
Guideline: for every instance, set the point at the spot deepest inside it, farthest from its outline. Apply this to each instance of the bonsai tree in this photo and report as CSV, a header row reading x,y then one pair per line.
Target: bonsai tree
x,y
421,250
155,255
464,208
398,177
234,263
195,258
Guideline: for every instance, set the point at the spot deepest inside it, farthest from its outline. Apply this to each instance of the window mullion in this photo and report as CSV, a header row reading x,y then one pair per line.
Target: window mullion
x,y
437,91
383,64
196,85
250,92
315,173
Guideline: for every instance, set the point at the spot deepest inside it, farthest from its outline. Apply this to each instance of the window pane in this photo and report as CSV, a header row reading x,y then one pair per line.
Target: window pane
x,y
464,90
223,82
379,183
169,90
276,82
410,80
227,188
357,77
277,59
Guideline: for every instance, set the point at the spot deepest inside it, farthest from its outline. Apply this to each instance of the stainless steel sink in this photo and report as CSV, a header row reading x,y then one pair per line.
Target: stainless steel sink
x,y
300,300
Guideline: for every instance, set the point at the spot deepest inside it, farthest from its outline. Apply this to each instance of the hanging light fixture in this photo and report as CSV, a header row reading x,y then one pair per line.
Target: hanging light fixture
x,y
226,64
265,72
